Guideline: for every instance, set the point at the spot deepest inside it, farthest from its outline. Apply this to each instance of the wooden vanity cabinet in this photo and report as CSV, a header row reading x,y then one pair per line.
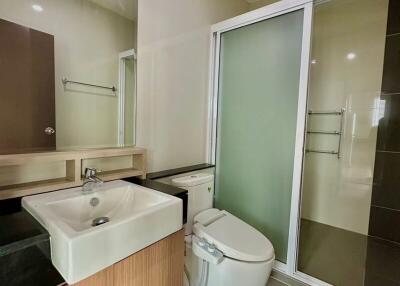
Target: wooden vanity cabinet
x,y
160,264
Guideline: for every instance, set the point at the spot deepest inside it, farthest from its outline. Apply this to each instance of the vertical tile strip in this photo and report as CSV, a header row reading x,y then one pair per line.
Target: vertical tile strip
x,y
385,204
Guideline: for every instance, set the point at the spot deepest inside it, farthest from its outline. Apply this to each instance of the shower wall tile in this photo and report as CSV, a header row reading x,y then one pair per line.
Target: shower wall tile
x,y
386,186
391,69
336,193
389,125
384,223
393,26
382,263
385,201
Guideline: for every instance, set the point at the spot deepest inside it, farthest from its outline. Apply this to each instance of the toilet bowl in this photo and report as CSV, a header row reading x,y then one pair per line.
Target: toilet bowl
x,y
221,249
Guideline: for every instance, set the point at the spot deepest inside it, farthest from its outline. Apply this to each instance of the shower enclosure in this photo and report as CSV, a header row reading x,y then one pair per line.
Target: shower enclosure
x,y
259,94
295,106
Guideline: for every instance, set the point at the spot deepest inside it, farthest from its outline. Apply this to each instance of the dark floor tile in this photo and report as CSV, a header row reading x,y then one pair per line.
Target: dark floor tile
x,y
391,69
331,254
274,282
345,258
384,223
374,280
386,187
393,17
383,263
389,126
286,279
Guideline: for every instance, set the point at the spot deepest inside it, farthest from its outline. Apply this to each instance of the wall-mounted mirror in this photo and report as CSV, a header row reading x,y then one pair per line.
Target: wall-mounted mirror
x,y
67,74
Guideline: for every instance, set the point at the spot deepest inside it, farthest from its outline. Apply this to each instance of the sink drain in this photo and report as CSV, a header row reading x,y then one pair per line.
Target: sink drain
x,y
100,220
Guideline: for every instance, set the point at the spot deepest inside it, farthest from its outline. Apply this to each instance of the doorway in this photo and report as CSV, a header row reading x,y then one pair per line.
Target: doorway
x,y
127,98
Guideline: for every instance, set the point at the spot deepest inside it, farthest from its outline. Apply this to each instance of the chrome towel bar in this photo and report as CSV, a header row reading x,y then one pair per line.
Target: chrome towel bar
x,y
325,112
66,81
325,132
322,152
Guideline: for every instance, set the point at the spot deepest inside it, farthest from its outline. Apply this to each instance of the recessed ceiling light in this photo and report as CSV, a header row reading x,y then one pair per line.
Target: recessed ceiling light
x,y
351,56
37,8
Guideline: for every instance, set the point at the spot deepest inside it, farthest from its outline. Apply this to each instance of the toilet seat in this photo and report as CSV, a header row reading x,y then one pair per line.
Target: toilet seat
x,y
232,236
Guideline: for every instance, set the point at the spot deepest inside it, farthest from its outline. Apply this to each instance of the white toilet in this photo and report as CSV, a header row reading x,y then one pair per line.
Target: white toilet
x,y
220,248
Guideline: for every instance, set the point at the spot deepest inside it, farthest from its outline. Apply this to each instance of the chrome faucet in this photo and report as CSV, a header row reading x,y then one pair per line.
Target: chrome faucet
x,y
91,181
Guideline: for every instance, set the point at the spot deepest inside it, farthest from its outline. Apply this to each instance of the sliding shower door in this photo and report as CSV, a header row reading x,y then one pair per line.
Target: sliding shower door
x,y
261,111
346,198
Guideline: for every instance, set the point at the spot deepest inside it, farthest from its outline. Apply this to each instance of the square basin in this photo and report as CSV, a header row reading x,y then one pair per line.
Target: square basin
x,y
90,232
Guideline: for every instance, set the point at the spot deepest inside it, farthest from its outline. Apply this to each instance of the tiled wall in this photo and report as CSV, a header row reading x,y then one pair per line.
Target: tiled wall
x,y
385,204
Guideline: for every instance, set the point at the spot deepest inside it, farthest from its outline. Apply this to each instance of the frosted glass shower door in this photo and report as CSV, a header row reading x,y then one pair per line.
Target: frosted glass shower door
x,y
258,97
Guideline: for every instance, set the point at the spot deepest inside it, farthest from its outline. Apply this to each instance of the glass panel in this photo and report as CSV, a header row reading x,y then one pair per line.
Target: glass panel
x,y
346,72
258,97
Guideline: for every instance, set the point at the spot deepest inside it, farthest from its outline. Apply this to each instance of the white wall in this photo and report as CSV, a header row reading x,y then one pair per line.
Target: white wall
x,y
173,65
260,3
87,41
338,192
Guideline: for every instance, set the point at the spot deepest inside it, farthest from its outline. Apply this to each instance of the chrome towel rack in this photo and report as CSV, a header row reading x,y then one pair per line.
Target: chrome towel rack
x,y
310,112
65,81
322,152
338,133
325,132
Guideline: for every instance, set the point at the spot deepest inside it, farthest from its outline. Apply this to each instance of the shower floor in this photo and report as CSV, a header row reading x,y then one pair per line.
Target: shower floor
x,y
346,258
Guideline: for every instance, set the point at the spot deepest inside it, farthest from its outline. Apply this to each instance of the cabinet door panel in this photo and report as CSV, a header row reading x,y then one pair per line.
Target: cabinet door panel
x,y
160,264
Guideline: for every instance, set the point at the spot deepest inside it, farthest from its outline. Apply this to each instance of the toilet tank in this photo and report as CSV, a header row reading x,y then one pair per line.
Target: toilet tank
x,y
200,189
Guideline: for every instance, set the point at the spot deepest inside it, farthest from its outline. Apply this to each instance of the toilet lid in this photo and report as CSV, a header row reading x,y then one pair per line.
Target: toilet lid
x,y
232,236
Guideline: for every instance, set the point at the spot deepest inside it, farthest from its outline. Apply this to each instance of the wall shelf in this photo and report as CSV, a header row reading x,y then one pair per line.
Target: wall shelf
x,y
37,187
73,169
117,174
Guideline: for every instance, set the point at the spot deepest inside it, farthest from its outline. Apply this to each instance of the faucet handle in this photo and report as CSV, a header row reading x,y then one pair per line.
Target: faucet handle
x,y
90,172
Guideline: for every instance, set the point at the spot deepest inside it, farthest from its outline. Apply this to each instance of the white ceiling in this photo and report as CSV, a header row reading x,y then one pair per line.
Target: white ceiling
x,y
128,8
125,8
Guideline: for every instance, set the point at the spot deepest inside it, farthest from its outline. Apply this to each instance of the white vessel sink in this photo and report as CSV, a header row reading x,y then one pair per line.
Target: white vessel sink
x,y
138,217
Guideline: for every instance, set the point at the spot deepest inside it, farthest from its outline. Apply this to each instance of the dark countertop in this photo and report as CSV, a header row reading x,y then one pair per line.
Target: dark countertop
x,y
29,266
25,251
164,188
177,171
169,189
21,230
22,237
158,186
